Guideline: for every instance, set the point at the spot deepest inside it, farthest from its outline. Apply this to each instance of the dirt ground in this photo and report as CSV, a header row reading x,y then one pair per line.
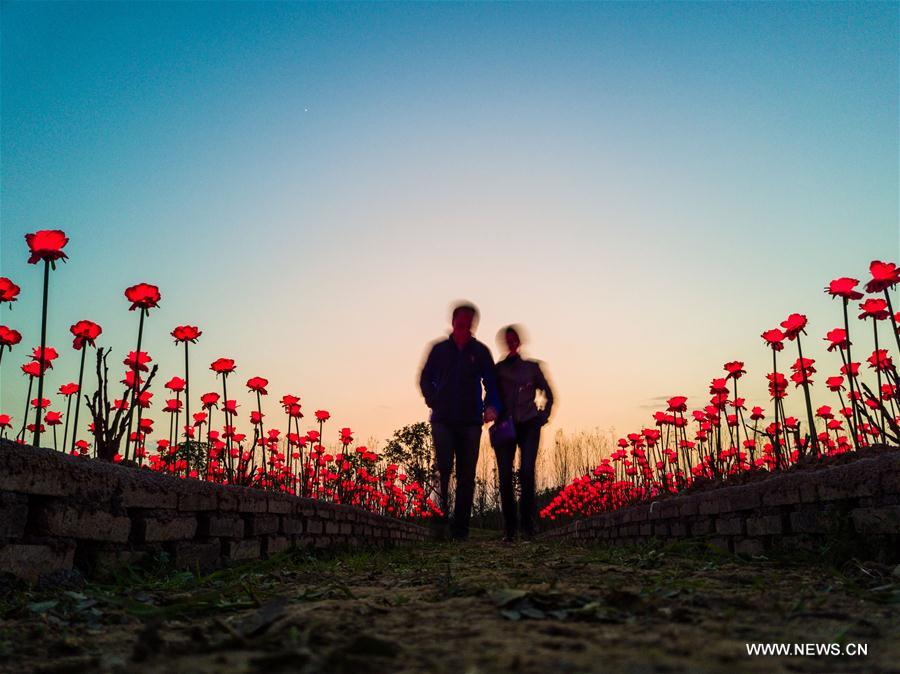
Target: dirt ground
x,y
470,608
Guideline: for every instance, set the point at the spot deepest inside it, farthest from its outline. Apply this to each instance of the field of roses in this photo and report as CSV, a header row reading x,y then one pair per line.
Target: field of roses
x,y
116,419
722,439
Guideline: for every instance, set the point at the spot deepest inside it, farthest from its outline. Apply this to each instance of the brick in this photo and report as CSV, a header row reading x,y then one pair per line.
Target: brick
x,y
279,504
709,504
220,526
30,561
291,525
272,545
741,498
260,523
730,526
780,494
143,495
884,520
346,528
66,520
31,470
678,529
236,550
688,506
814,521
204,498
252,501
228,500
13,514
205,555
164,526
332,528
668,509
764,525
852,480
101,558
645,529
701,526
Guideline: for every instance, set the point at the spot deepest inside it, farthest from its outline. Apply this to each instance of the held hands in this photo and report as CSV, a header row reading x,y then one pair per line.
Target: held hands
x,y
490,414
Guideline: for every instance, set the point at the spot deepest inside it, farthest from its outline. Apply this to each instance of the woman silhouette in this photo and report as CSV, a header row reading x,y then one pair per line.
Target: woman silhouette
x,y
519,380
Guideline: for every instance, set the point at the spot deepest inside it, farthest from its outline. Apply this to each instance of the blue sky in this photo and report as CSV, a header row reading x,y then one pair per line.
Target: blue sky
x,y
646,186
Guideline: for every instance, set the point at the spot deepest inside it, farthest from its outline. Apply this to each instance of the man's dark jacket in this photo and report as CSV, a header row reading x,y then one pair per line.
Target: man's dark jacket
x,y
451,382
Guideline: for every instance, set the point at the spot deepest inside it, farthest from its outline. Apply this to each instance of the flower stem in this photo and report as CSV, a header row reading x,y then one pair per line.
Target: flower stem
x,y
855,418
40,394
134,384
187,394
809,413
78,399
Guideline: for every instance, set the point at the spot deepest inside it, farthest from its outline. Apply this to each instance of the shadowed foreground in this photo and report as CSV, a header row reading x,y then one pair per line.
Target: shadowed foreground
x,y
476,607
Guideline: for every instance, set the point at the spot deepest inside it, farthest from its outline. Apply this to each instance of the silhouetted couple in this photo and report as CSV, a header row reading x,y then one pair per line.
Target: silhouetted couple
x,y
465,390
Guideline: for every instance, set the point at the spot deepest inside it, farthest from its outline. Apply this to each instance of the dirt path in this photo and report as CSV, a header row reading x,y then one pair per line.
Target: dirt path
x,y
470,608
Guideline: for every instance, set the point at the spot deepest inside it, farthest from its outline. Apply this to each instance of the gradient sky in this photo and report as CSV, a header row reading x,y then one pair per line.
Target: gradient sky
x,y
646,187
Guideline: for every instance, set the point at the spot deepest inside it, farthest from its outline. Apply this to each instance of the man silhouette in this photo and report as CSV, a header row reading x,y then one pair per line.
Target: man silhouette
x,y
451,382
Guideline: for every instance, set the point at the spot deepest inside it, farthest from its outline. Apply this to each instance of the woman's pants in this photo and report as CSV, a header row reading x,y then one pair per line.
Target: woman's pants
x,y
528,437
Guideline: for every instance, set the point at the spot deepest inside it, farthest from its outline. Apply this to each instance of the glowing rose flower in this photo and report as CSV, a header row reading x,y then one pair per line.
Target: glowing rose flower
x,y
138,360
175,384
837,339
875,309
258,384
45,356
9,291
824,412
774,338
677,404
794,325
854,370
68,389
46,245
85,332
142,296
32,368
186,333
718,387
322,415
8,337
44,402
835,383
209,400
844,287
223,366
53,418
880,360
172,405
884,275
735,369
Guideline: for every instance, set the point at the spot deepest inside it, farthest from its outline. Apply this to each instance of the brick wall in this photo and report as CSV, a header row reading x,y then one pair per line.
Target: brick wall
x,y
855,506
58,512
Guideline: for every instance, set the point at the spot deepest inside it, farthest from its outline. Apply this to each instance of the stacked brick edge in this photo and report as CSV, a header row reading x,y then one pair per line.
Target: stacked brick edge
x,y
855,505
58,512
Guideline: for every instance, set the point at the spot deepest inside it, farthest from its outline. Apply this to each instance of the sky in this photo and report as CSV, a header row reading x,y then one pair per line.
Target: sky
x,y
646,187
